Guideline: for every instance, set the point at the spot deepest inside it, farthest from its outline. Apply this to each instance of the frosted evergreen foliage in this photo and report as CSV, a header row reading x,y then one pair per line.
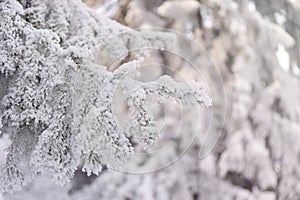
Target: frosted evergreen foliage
x,y
57,100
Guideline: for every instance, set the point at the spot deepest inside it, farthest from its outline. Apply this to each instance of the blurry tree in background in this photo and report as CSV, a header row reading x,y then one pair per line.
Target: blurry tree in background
x,y
249,49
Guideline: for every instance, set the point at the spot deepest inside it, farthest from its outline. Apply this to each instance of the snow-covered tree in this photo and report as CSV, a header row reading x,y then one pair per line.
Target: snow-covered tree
x,y
57,95
254,51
